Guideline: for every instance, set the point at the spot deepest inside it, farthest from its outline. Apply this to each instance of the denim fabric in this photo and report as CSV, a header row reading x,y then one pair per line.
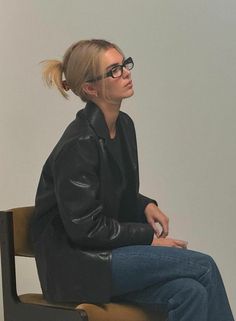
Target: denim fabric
x,y
184,283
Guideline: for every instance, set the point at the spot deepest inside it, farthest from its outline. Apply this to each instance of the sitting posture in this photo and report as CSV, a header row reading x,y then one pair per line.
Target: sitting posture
x,y
95,236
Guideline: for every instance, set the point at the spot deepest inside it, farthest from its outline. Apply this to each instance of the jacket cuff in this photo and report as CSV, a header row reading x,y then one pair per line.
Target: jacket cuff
x,y
141,234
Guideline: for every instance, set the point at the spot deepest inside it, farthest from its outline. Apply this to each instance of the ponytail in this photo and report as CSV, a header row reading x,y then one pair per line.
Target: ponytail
x,y
52,76
81,61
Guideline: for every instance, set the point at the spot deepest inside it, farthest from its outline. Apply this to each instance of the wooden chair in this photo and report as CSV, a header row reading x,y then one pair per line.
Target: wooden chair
x,y
15,241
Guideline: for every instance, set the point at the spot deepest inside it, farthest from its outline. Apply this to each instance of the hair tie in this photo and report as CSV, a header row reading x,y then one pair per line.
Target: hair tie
x,y
65,85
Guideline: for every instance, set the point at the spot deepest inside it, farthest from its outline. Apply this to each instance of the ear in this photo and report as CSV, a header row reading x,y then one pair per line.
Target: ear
x,y
90,89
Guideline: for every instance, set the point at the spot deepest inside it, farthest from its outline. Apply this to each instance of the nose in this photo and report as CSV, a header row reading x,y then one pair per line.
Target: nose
x,y
126,72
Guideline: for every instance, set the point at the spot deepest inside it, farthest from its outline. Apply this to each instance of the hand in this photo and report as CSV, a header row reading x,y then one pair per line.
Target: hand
x,y
155,215
169,242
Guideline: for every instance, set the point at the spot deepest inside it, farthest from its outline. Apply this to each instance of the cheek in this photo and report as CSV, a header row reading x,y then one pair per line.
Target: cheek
x,y
113,89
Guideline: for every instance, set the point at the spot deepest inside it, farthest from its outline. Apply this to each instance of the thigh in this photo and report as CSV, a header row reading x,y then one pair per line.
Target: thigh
x,y
140,266
167,294
180,299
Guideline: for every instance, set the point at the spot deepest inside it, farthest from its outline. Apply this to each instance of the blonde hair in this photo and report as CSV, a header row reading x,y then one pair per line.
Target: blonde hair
x,y
81,62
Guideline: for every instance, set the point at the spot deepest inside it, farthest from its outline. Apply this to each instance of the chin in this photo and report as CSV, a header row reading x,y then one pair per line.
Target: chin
x,y
129,93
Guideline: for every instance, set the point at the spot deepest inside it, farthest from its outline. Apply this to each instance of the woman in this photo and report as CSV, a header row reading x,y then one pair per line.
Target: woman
x,y
95,235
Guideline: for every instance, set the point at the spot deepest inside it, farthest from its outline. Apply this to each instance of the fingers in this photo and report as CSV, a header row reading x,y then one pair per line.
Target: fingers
x,y
165,231
155,216
180,243
164,221
155,228
170,243
153,224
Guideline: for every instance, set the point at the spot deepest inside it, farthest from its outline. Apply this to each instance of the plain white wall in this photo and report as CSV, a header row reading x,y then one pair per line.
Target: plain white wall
x,y
184,108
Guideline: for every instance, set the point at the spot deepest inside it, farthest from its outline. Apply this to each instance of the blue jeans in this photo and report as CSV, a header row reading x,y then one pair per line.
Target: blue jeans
x,y
185,284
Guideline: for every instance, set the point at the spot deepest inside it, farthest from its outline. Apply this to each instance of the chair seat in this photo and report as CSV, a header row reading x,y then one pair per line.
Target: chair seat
x,y
15,240
105,312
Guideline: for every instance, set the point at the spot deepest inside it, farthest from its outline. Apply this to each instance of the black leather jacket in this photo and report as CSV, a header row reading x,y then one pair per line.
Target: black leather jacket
x,y
80,195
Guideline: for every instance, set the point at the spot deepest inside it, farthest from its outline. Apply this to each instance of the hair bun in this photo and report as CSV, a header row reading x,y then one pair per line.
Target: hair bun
x,y
65,85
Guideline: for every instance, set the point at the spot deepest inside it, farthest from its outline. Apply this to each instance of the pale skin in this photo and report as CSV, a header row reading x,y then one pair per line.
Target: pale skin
x,y
120,88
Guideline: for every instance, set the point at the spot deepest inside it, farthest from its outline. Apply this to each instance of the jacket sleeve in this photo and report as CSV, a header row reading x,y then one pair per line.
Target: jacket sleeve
x,y
77,192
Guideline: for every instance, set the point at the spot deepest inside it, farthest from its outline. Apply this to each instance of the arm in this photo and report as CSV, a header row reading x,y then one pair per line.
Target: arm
x,y
143,201
77,191
155,216
150,213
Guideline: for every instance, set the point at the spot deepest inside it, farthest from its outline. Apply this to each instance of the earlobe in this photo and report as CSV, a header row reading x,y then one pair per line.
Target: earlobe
x,y
90,89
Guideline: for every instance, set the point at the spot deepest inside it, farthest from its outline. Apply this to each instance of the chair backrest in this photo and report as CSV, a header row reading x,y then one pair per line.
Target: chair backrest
x,y
21,222
15,240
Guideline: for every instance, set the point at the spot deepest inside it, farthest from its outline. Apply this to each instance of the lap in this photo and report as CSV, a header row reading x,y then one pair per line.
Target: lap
x,y
160,296
140,266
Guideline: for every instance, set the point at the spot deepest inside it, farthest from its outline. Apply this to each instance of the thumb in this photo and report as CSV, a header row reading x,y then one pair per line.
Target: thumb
x,y
165,231
155,228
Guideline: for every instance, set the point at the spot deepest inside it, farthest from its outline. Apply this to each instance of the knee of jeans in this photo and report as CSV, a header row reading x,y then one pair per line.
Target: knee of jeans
x,y
207,261
194,289
191,295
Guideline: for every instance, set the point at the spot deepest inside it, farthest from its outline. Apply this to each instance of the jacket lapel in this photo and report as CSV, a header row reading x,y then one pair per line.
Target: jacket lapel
x,y
97,121
130,149
130,143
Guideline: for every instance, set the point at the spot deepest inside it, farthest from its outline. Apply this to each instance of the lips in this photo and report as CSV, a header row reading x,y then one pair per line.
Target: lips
x,y
130,83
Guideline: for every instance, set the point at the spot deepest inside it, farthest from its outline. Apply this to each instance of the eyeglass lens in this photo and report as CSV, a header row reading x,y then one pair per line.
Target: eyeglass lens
x,y
118,70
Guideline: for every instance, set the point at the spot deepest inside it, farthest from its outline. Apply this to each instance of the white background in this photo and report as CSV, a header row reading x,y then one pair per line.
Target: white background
x,y
183,108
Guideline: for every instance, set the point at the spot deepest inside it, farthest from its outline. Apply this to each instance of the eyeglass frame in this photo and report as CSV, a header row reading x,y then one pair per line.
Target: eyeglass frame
x,y
110,72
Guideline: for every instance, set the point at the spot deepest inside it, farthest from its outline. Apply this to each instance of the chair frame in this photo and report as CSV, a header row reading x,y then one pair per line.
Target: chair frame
x,y
14,309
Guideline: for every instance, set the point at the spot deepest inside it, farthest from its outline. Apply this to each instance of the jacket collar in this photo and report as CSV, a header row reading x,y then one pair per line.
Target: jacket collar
x,y
97,120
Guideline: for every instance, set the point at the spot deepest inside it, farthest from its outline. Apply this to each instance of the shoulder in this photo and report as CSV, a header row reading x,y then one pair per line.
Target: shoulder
x,y
78,138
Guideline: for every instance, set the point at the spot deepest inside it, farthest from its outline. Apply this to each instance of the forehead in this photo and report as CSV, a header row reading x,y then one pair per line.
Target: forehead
x,y
111,57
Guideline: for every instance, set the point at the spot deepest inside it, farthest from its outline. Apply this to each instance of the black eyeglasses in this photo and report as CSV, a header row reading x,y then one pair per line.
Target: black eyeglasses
x,y
116,71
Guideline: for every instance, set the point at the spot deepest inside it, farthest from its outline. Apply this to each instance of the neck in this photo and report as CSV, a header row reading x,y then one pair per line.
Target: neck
x,y
111,113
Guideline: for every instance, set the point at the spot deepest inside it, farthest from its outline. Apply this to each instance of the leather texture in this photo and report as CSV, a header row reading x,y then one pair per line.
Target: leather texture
x,y
80,197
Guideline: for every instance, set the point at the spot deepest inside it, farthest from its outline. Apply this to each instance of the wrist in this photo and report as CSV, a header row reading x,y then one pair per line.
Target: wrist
x,y
150,206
